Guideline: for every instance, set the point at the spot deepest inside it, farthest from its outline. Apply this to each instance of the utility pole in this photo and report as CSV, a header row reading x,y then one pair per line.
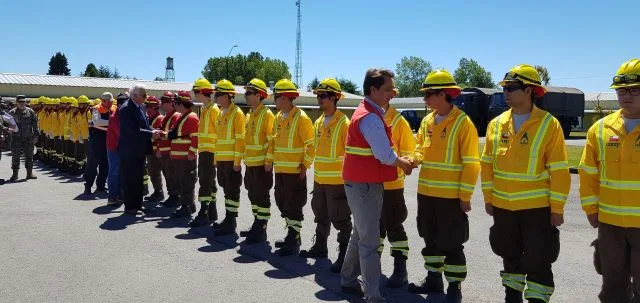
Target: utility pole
x,y
298,66
227,62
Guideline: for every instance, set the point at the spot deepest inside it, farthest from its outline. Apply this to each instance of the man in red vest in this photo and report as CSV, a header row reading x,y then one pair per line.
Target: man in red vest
x,y
369,161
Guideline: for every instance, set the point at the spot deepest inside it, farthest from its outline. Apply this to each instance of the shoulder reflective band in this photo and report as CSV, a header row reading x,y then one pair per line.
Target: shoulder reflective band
x,y
453,134
535,148
335,136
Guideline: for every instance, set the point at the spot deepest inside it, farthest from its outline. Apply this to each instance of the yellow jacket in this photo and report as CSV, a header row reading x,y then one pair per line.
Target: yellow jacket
x,y
66,125
57,124
448,152
80,127
41,122
207,128
404,143
259,132
330,141
230,135
609,179
292,143
527,169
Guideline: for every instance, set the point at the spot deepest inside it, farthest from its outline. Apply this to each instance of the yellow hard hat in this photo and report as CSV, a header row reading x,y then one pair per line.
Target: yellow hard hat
x,y
203,85
439,79
286,87
526,74
628,74
55,101
258,85
74,102
71,100
329,85
225,86
83,99
96,101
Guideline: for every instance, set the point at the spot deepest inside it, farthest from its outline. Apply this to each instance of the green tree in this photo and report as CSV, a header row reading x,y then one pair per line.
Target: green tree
x,y
91,71
158,79
349,86
313,84
104,72
58,65
544,74
273,70
470,74
240,68
410,73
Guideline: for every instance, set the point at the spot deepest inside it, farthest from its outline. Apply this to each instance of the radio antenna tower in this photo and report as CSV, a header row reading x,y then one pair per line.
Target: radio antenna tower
x,y
298,68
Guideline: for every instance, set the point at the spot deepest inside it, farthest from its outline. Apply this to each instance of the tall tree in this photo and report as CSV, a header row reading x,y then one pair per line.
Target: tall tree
x,y
104,72
91,71
158,79
470,74
544,74
410,73
241,68
313,84
58,65
349,86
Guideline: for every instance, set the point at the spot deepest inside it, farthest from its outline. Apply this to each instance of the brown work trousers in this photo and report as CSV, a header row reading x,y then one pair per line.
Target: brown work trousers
x,y
394,213
207,177
170,175
444,228
258,183
230,181
154,170
329,205
619,260
291,196
527,243
187,176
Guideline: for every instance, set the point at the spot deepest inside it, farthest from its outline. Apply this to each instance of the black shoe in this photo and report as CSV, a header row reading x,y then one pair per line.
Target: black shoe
x,y
14,176
113,202
336,267
227,227
182,212
432,284
2,181
101,190
87,191
317,250
202,219
259,234
399,277
213,214
155,197
512,295
172,201
454,293
30,175
353,290
291,244
245,233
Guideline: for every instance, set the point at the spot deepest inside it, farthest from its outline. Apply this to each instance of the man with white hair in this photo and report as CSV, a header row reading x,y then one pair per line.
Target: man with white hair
x,y
97,164
133,146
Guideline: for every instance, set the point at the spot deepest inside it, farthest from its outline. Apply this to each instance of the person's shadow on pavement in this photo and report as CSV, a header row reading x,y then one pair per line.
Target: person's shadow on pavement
x,y
119,223
106,209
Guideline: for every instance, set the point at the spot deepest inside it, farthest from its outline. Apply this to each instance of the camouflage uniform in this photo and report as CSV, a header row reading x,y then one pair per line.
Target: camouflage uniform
x,y
23,140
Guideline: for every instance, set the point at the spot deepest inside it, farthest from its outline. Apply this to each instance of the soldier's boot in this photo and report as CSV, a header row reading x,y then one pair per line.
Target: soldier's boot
x,y
317,250
172,201
183,212
227,227
512,295
14,176
336,267
245,233
399,277
430,285
202,218
259,234
454,293
213,214
291,243
62,165
30,175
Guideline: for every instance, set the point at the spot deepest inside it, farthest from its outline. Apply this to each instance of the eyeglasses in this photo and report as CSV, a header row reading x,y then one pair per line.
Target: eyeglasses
x,y
631,91
430,93
249,93
628,78
512,88
323,96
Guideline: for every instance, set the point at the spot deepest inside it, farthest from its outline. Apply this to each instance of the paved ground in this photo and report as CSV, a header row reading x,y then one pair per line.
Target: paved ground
x,y
57,247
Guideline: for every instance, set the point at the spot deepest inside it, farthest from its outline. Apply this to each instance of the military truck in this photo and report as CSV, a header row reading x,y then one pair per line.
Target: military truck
x,y
564,103
475,102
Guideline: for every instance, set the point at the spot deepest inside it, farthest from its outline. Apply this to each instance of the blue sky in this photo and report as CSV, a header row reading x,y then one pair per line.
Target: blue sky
x,y
581,42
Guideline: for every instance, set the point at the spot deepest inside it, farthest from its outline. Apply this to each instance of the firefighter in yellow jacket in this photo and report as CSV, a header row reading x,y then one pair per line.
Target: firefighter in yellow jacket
x,y
525,182
68,144
203,91
229,153
257,179
292,152
329,201
81,129
448,151
609,184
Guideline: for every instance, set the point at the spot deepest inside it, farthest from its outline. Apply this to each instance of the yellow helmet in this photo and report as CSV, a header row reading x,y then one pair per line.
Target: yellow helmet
x,y
526,74
225,86
83,100
74,102
71,100
439,79
329,85
55,101
628,74
96,101
286,87
258,85
203,85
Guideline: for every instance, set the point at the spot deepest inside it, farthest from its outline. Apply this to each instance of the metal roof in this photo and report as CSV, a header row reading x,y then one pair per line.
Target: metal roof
x,y
605,96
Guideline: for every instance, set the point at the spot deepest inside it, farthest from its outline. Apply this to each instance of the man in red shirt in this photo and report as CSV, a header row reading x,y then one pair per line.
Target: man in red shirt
x,y
113,136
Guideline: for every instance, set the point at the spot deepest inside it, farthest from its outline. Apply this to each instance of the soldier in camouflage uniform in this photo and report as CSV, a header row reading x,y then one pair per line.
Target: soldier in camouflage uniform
x,y
23,140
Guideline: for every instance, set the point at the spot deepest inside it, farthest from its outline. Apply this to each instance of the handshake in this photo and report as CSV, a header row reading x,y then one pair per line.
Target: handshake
x,y
157,134
407,164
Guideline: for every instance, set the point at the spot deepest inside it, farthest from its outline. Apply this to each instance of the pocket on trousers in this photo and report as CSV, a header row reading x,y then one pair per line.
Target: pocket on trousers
x,y
341,210
554,244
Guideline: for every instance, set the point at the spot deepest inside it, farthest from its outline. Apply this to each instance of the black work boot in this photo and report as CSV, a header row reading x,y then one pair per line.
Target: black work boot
x,y
156,197
87,190
336,267
227,227
454,293
213,214
512,295
259,234
145,190
14,176
399,276
172,201
30,175
182,212
245,233
291,243
202,218
317,250
430,285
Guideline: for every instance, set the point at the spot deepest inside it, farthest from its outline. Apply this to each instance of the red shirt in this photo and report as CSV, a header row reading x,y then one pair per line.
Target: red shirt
x,y
113,132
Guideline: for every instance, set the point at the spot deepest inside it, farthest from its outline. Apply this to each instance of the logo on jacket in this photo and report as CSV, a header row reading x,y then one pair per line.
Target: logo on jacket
x,y
504,138
443,133
614,141
524,139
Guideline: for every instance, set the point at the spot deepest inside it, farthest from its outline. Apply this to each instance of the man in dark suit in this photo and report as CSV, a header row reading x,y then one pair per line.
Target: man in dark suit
x,y
134,145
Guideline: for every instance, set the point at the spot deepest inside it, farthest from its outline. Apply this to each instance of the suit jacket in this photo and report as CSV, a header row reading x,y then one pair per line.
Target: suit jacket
x,y
135,132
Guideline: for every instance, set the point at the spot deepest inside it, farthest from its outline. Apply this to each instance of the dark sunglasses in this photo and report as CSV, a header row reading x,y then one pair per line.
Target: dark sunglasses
x,y
512,88
323,96
430,93
249,93
631,91
629,78
220,94
277,96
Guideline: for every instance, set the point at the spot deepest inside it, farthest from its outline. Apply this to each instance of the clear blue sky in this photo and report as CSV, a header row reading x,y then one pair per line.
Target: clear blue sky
x,y
581,42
